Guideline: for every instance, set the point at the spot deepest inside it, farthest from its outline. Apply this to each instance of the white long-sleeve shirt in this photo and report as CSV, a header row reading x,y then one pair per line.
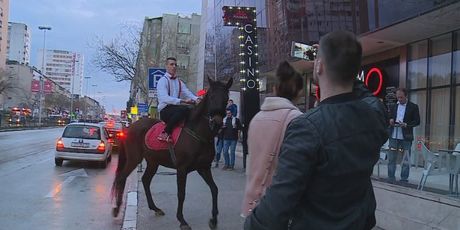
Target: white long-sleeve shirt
x,y
168,91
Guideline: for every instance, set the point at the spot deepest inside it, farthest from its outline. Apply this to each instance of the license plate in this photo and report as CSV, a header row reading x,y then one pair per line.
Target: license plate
x,y
79,144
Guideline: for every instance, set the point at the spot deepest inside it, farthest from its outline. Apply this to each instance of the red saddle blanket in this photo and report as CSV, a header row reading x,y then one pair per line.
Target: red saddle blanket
x,y
151,137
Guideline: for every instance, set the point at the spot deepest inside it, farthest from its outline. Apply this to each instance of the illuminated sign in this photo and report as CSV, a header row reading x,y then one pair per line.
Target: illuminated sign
x,y
245,19
375,72
372,73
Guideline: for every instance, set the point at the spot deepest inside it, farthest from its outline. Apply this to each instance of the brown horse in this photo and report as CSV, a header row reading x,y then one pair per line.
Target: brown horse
x,y
194,150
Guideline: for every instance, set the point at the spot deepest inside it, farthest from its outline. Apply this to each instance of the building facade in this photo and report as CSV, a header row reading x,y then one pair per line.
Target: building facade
x,y
4,15
18,43
20,94
162,37
63,67
406,43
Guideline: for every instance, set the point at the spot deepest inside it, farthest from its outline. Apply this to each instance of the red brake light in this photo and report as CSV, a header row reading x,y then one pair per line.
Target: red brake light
x,y
59,145
101,147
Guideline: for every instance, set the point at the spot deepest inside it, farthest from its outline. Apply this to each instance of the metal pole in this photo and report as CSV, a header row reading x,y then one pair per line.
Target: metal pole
x,y
71,99
44,28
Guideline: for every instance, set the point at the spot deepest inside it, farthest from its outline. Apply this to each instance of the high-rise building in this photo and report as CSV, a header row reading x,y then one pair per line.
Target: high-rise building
x,y
4,13
18,43
63,67
168,36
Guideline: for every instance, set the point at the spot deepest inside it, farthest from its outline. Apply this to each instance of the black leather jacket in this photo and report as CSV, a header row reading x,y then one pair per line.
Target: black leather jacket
x,y
323,175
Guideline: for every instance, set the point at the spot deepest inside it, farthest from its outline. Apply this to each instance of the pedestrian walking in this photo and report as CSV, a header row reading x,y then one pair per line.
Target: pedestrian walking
x,y
219,147
230,131
276,113
322,180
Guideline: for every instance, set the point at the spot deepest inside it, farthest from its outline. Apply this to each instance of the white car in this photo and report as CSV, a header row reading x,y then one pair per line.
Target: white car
x,y
84,142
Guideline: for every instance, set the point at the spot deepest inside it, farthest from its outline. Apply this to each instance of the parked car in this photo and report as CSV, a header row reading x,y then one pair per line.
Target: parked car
x,y
84,142
117,132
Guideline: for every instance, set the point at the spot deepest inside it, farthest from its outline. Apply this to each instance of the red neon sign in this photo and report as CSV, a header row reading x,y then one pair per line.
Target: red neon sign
x,y
379,74
366,82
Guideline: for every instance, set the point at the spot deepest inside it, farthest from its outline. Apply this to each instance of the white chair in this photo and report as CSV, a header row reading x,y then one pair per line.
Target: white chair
x,y
383,159
453,162
433,164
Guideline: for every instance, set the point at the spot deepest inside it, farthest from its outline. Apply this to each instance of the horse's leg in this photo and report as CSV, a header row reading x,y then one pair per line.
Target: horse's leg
x,y
150,171
207,177
181,183
125,166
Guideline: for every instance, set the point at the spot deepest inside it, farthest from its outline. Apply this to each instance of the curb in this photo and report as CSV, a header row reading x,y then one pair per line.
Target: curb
x,y
130,214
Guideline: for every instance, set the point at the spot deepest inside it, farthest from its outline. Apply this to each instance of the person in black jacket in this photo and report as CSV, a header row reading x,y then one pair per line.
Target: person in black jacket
x,y
404,117
323,176
230,131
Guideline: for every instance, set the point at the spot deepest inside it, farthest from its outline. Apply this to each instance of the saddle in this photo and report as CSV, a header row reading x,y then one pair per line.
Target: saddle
x,y
153,143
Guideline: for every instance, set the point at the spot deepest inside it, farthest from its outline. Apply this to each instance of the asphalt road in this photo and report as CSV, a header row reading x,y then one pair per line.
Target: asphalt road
x,y
35,194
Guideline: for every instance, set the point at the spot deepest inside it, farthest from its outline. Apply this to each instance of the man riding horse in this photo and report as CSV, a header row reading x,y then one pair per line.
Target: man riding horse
x,y
170,89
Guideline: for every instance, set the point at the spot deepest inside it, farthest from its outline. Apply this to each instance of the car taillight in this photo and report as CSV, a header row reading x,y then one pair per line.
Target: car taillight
x,y
101,147
59,145
121,135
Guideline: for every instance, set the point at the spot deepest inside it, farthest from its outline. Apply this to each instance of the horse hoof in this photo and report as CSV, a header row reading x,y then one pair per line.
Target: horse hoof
x,y
115,212
185,227
213,223
159,213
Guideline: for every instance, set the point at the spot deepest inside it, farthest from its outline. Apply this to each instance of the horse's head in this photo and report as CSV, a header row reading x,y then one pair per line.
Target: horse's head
x,y
217,98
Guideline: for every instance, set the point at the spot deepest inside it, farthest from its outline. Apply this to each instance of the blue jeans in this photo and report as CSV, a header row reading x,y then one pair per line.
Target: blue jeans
x,y
219,146
396,145
229,161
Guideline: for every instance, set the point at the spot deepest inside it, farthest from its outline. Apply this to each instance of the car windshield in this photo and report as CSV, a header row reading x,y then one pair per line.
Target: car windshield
x,y
86,132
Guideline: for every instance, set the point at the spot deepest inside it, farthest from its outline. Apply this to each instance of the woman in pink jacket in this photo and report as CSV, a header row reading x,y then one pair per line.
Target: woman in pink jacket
x,y
276,113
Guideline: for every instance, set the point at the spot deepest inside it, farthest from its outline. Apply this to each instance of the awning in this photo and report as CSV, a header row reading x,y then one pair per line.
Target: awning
x,y
435,22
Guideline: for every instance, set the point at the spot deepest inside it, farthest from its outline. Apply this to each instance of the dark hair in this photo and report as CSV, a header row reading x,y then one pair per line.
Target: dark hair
x,y
404,90
341,52
290,82
171,59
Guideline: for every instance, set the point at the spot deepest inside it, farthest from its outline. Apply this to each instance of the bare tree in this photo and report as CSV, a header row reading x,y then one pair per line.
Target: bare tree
x,y
118,56
6,83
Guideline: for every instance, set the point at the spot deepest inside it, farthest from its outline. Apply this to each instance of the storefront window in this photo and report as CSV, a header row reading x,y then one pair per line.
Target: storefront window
x,y
440,60
439,127
419,98
457,118
456,61
417,65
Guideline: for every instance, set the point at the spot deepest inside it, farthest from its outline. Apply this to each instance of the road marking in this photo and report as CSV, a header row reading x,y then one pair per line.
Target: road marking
x,y
70,176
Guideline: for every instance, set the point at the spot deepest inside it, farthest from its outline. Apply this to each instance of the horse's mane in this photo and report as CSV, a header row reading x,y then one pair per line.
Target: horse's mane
x,y
199,110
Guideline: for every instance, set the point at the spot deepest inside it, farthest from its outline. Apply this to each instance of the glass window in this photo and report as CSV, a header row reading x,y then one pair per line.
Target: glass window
x,y
456,61
184,28
419,98
417,64
439,127
440,60
457,117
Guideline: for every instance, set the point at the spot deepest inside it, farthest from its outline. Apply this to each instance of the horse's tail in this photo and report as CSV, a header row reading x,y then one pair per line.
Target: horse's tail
x,y
119,182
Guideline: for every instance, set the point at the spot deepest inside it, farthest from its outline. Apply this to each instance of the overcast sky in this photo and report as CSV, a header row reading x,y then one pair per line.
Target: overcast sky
x,y
75,25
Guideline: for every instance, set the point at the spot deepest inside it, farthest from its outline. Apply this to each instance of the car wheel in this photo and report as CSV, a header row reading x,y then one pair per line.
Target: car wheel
x,y
58,162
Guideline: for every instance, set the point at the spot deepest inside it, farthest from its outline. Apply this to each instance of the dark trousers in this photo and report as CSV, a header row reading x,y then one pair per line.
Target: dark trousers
x,y
172,115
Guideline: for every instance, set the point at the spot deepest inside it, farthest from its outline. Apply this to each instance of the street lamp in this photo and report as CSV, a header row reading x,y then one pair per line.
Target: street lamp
x,y
44,28
86,93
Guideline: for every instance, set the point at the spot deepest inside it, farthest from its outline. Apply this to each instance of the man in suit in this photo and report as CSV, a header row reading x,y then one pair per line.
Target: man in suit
x,y
404,117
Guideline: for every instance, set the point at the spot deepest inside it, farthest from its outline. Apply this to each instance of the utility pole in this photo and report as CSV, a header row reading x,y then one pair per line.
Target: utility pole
x,y
40,105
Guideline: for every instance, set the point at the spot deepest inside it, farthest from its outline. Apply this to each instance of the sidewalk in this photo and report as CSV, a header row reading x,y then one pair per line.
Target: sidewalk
x,y
197,205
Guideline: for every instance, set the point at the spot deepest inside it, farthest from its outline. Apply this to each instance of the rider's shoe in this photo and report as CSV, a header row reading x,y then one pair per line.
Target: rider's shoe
x,y
164,137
